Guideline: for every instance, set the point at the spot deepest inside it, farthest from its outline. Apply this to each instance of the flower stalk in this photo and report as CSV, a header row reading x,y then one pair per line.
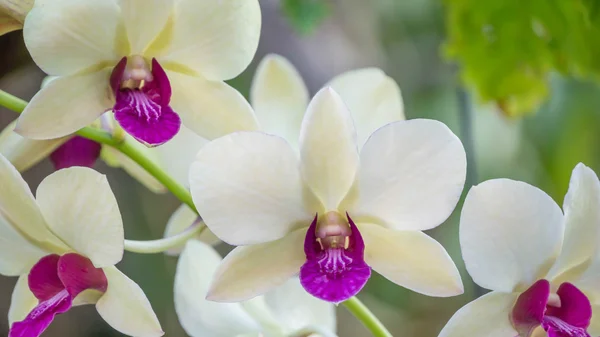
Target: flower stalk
x,y
368,319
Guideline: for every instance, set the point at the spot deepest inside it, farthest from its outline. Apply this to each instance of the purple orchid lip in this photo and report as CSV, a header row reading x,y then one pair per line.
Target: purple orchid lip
x,y
334,272
55,281
566,314
77,151
142,108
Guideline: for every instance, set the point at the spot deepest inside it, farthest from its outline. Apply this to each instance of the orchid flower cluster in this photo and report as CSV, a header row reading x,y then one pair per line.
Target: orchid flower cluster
x,y
314,193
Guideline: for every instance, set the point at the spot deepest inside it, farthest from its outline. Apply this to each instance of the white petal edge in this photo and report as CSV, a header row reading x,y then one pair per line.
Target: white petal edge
x,y
80,207
412,260
510,234
198,316
486,316
373,98
328,154
22,301
594,328
125,307
47,116
249,271
17,254
279,97
182,219
248,189
412,174
144,21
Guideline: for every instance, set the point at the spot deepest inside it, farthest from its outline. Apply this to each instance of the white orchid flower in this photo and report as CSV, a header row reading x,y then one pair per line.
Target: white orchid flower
x,y
540,264
285,311
307,210
152,63
12,14
63,245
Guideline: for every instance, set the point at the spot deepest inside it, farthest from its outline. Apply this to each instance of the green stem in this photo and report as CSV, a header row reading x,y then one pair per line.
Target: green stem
x,y
368,319
12,102
162,245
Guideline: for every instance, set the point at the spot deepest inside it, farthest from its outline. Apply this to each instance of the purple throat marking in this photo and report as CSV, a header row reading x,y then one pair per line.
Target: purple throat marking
x,y
142,105
77,151
55,281
565,314
334,272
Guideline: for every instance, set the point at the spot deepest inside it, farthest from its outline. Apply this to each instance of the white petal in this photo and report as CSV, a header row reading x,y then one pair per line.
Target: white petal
x,y
67,36
594,328
412,174
22,152
124,306
144,20
411,259
198,316
22,301
248,189
49,116
328,154
296,309
582,220
373,98
8,24
216,39
81,209
181,220
17,254
510,234
19,208
210,109
486,316
279,97
249,271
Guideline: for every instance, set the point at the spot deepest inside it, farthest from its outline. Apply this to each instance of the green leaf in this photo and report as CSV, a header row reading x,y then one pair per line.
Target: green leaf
x,y
305,15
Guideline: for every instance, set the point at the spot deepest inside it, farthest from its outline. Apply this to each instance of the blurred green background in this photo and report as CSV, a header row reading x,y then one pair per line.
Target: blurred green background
x,y
407,39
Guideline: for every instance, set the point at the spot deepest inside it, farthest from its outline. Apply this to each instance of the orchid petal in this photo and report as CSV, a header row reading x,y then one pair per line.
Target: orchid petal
x,y
22,301
210,109
81,209
373,98
594,328
328,154
17,254
510,234
126,308
67,36
216,39
411,176
279,97
411,259
248,189
144,21
65,105
485,316
181,220
8,24
198,316
249,271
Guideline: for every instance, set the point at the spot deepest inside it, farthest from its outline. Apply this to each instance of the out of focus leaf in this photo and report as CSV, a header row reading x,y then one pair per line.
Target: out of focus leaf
x,y
305,15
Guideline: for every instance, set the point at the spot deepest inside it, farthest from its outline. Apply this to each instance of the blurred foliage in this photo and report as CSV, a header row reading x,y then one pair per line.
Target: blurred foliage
x,y
507,49
305,15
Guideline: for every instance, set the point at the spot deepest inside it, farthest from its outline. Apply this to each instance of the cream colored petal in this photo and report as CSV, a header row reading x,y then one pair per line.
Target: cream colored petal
x,y
582,221
49,116
248,189
17,254
328,154
144,20
510,234
81,209
295,309
594,328
8,24
22,152
181,220
411,259
279,97
210,109
67,36
21,302
374,99
249,271
19,208
198,316
125,307
411,175
216,39
486,316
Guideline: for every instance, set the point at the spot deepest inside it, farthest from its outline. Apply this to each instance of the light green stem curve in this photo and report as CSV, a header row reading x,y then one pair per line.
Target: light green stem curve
x,y
368,319
162,245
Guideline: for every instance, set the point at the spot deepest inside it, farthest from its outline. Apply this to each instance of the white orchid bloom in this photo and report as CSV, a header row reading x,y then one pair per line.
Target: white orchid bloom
x,y
152,63
285,311
307,210
540,264
63,245
12,14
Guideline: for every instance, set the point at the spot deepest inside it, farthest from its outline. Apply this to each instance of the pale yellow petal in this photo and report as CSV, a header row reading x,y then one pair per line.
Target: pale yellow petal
x,y
8,24
17,254
22,301
144,20
181,220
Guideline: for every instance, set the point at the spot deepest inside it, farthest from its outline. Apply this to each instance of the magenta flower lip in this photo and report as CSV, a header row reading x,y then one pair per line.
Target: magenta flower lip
x,y
77,151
